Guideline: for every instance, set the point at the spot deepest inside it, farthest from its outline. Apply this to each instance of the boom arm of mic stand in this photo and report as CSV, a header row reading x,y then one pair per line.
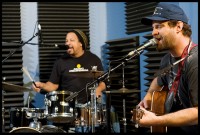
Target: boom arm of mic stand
x,y
75,94
12,52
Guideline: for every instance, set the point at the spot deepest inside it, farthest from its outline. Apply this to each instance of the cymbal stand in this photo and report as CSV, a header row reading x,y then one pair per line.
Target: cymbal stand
x,y
93,108
124,101
108,106
3,111
93,104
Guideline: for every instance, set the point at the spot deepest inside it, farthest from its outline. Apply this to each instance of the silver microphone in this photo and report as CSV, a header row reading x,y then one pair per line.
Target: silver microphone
x,y
151,42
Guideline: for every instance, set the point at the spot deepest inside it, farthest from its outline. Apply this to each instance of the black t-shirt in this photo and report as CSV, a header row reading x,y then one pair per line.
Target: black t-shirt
x,y
74,82
187,93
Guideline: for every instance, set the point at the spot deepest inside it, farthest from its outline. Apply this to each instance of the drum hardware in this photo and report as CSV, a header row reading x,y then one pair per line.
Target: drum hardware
x,y
24,130
124,100
108,104
43,129
35,124
3,112
122,91
35,114
46,103
93,108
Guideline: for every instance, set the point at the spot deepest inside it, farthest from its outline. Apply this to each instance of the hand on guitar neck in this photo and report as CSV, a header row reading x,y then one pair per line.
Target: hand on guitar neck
x,y
157,107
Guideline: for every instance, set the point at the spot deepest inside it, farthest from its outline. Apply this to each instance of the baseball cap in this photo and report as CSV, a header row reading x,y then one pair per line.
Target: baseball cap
x,y
165,12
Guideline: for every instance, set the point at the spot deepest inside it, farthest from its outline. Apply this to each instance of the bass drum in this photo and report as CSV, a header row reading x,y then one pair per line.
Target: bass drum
x,y
24,130
18,117
51,129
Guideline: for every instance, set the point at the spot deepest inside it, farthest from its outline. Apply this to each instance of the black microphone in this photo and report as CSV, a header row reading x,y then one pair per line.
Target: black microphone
x,y
63,47
40,33
151,42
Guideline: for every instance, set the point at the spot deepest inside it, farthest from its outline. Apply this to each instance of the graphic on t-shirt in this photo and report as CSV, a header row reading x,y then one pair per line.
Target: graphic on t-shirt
x,y
78,65
78,69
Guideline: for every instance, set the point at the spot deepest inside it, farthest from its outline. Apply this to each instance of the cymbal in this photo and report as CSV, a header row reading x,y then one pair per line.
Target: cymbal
x,y
12,87
122,91
86,74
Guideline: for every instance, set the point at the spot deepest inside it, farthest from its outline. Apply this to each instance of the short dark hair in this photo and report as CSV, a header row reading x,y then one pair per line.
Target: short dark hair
x,y
186,27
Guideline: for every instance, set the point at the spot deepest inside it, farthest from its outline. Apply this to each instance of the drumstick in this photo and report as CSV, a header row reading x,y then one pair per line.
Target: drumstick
x,y
27,73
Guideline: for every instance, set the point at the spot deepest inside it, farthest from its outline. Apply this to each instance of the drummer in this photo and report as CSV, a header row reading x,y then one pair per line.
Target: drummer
x,y
76,59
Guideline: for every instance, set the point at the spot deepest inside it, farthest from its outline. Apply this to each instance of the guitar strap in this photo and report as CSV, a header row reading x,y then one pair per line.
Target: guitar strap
x,y
174,88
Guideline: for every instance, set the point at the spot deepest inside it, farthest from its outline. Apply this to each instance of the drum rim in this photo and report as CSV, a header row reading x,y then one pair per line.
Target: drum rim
x,y
18,108
60,92
53,115
35,109
16,128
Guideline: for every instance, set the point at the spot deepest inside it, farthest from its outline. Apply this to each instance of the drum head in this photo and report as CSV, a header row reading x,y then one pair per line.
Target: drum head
x,y
24,130
61,119
51,129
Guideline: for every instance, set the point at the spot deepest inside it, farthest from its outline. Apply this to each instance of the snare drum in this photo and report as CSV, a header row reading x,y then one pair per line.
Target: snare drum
x,y
18,117
57,109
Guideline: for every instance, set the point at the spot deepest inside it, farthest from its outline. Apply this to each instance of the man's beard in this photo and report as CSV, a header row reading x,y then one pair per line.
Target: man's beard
x,y
167,43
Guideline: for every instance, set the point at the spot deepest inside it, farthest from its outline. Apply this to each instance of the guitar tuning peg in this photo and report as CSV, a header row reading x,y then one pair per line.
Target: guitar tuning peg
x,y
136,125
131,111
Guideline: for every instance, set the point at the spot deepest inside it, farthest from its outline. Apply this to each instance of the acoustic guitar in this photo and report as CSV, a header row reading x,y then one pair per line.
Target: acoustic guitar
x,y
157,106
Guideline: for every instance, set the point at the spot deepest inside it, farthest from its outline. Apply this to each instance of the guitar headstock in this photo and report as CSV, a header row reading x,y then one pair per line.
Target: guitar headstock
x,y
137,115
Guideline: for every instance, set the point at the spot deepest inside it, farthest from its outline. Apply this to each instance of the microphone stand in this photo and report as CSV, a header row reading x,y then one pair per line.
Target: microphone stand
x,y
102,78
13,51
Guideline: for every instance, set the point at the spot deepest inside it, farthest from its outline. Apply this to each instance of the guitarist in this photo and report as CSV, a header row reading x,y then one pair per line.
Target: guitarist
x,y
173,33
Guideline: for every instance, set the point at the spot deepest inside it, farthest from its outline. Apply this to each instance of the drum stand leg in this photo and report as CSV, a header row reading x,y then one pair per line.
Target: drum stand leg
x,y
124,114
3,111
93,109
124,101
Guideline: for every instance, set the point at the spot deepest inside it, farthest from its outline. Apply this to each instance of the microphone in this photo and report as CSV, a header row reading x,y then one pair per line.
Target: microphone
x,y
63,47
40,33
151,42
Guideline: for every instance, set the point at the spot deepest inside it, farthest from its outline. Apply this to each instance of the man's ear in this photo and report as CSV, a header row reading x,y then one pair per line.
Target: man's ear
x,y
179,26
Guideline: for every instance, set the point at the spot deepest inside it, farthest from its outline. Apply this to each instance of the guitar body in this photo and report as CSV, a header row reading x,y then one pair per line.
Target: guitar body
x,y
158,107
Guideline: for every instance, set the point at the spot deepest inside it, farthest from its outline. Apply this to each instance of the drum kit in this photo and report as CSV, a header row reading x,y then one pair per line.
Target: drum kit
x,y
59,110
